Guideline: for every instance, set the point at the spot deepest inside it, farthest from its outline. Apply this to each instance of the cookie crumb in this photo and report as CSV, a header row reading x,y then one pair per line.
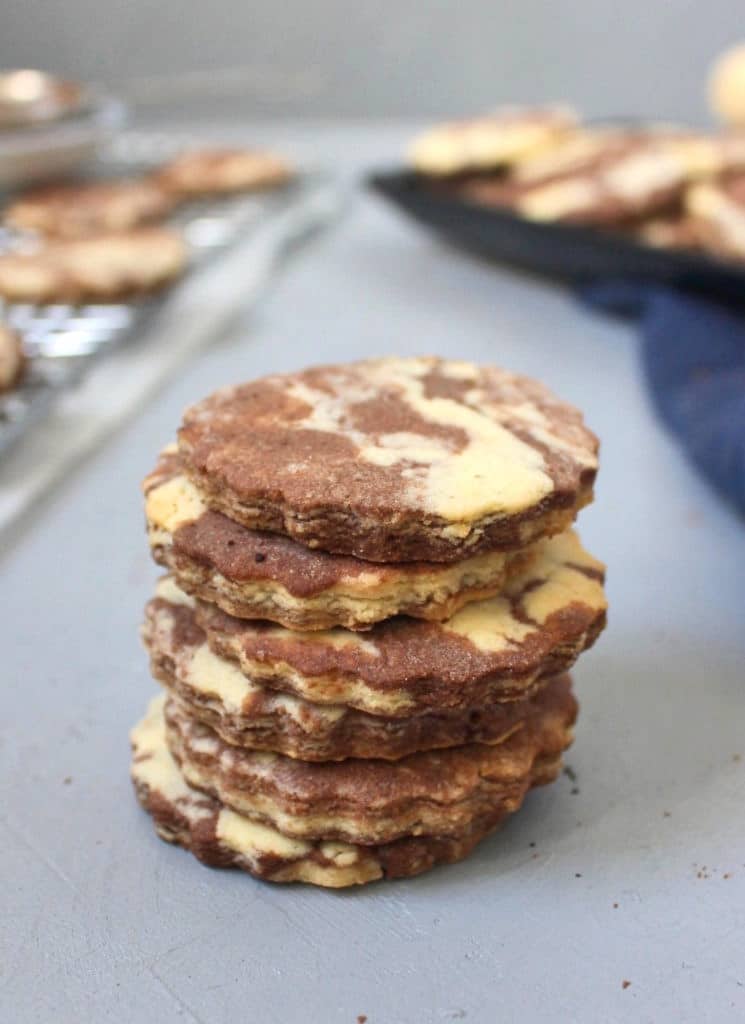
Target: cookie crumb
x,y
361,1017
575,790
570,772
67,780
737,758
615,906
727,874
666,814
625,983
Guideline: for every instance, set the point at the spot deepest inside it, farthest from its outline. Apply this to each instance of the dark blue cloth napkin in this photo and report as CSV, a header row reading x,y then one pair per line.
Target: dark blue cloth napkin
x,y
693,353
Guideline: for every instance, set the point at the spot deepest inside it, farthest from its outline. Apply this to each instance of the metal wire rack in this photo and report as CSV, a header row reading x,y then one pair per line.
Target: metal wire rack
x,y
62,342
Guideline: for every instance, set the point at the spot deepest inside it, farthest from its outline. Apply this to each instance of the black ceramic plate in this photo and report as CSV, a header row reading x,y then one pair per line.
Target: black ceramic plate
x,y
560,251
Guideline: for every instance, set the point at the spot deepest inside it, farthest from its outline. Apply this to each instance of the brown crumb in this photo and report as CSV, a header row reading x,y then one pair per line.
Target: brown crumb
x,y
625,983
361,1018
67,780
666,814
737,758
615,906
727,874
570,772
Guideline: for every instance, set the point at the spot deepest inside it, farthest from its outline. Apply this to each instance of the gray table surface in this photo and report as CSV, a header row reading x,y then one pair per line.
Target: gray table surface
x,y
633,873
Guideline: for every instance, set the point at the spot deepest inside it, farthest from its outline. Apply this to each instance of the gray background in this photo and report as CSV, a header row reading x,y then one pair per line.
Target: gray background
x,y
639,876
390,57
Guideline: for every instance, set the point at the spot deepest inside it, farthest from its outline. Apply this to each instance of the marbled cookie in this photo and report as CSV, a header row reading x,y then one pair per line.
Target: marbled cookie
x,y
221,837
490,650
710,155
675,231
717,210
214,690
393,460
596,178
105,268
90,208
258,575
222,171
435,793
485,143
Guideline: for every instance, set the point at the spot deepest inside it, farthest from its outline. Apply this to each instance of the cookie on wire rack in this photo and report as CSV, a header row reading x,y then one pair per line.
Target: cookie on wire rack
x,y
105,268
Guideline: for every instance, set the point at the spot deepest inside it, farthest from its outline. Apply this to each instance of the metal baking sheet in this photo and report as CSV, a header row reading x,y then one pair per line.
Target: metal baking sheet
x,y
559,251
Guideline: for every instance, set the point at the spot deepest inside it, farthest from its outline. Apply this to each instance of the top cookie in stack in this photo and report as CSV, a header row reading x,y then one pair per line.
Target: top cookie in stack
x,y
438,472
369,563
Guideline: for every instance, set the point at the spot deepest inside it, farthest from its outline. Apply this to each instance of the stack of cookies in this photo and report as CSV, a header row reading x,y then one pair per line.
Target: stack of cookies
x,y
373,597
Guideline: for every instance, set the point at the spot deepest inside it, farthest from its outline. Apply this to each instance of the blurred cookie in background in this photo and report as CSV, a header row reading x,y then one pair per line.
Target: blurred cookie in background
x,y
707,155
717,209
12,359
485,143
209,172
106,268
606,177
583,149
727,87
89,208
577,155
669,231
